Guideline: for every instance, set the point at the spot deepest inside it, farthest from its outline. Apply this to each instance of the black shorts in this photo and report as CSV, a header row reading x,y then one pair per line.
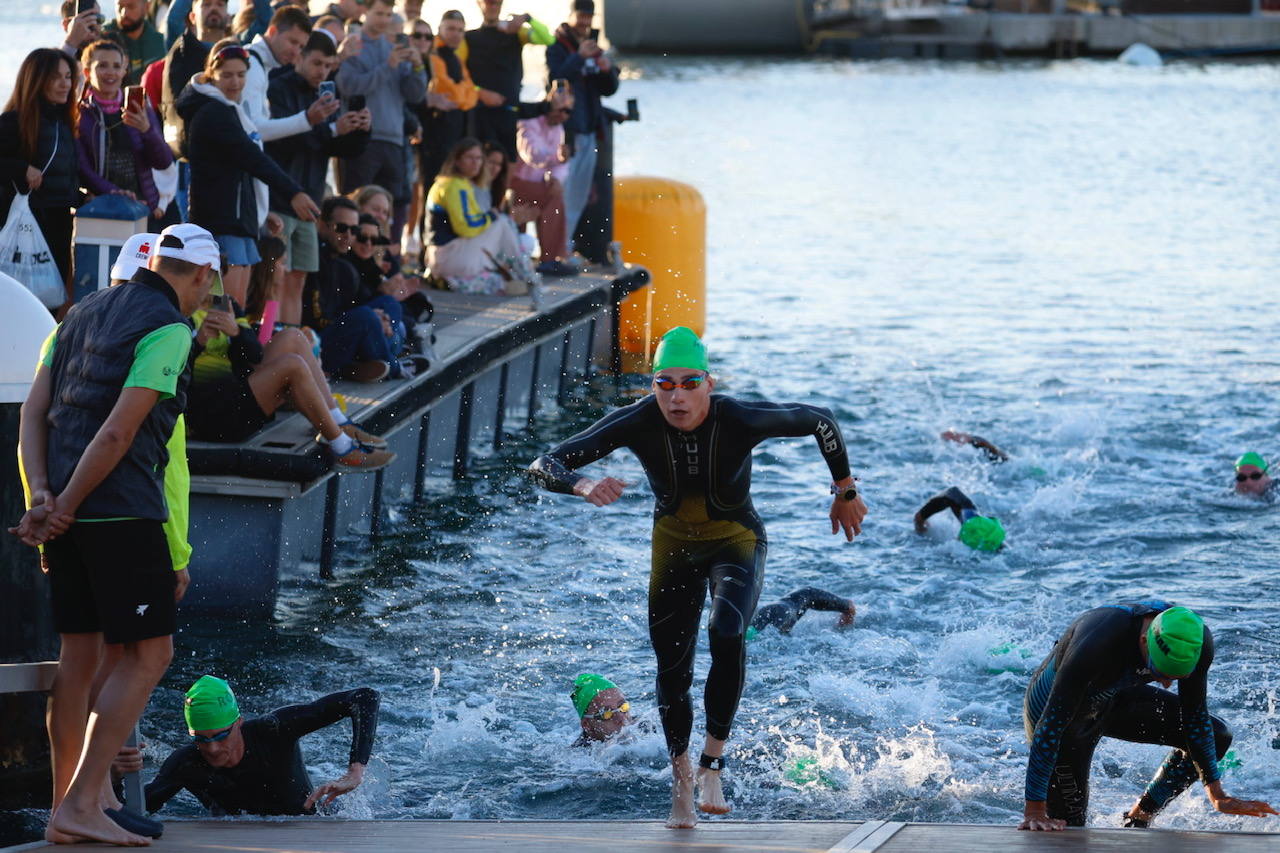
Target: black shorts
x,y
224,410
114,578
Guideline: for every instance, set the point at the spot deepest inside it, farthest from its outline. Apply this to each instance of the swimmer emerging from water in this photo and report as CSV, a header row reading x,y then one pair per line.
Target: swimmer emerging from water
x,y
1094,684
696,451
255,766
1253,479
785,613
994,453
603,709
979,532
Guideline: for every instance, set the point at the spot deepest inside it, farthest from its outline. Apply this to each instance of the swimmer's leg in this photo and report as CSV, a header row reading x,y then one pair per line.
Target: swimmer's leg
x,y
736,579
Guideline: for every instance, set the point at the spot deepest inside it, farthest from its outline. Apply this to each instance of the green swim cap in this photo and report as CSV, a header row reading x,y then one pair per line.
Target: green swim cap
x,y
1174,640
585,688
982,533
1253,459
210,704
680,347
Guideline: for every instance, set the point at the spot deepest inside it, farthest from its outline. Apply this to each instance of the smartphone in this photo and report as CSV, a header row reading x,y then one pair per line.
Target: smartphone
x,y
402,40
134,98
353,27
85,6
633,110
221,302
355,103
328,87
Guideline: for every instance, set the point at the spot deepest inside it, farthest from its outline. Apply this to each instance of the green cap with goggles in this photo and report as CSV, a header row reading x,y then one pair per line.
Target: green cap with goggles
x,y
1253,459
585,688
982,533
210,705
1174,641
680,347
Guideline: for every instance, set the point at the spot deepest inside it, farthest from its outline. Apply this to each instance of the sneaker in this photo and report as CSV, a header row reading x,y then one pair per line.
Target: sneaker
x,y
368,439
557,269
413,365
365,458
366,371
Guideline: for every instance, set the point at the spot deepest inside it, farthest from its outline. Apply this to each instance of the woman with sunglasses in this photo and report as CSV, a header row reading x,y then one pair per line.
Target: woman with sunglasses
x,y
696,449
230,173
1253,479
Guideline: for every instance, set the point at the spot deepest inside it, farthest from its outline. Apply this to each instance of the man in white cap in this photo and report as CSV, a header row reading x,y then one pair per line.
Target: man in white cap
x,y
93,433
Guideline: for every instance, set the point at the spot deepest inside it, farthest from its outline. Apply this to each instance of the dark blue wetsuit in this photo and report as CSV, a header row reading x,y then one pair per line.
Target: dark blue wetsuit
x,y
1094,684
786,612
706,534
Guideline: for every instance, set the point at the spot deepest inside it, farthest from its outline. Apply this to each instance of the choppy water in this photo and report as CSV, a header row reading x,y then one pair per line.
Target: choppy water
x,y
1076,260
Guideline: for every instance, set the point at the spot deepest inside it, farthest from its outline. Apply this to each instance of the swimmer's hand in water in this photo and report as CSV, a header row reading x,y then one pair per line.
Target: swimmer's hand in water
x,y
330,791
847,515
1230,805
1035,817
846,618
599,492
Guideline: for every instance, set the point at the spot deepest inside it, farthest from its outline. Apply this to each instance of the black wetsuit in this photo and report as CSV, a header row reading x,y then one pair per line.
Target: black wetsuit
x,y
271,779
784,614
706,534
1094,684
949,498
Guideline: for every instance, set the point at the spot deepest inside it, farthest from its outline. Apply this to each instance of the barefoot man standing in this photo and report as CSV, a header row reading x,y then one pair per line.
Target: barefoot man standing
x,y
696,451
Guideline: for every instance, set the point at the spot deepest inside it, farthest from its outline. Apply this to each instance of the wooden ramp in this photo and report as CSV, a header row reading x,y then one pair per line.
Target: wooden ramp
x,y
719,836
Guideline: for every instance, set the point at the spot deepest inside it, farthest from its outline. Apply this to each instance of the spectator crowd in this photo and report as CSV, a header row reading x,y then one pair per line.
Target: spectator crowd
x,y
346,159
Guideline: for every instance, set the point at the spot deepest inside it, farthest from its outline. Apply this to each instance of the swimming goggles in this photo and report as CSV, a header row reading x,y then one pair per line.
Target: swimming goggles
x,y
666,383
220,736
607,713
1256,475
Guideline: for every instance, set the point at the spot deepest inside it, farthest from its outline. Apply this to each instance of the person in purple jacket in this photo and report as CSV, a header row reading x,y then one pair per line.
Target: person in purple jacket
x,y
118,146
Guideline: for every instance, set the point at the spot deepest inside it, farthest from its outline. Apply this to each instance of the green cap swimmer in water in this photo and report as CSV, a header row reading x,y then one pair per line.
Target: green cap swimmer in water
x,y
603,709
979,532
1252,477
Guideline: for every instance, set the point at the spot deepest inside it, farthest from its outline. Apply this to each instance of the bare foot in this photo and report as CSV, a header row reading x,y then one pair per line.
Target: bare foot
x,y
107,797
69,827
711,796
682,814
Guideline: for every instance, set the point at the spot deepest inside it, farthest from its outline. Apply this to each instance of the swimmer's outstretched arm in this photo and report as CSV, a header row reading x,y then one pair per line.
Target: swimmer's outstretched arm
x,y
361,705
556,470
950,498
994,453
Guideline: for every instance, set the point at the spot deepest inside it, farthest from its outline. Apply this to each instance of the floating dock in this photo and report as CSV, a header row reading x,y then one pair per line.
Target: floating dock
x,y
320,835
274,504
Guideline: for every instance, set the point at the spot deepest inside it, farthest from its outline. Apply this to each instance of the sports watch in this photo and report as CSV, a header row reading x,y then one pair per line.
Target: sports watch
x,y
846,493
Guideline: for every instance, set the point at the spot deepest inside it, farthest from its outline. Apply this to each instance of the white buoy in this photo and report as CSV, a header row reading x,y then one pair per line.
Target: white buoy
x,y
24,325
1142,56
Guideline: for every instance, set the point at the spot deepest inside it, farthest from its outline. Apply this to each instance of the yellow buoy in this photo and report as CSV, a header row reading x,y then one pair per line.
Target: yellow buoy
x,y
662,225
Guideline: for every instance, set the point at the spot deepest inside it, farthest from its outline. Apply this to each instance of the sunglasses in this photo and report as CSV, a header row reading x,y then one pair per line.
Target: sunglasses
x,y
364,238
220,736
343,228
607,713
666,383
1256,475
421,35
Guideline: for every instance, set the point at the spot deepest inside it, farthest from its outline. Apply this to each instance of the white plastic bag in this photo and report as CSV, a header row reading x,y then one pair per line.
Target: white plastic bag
x,y
25,255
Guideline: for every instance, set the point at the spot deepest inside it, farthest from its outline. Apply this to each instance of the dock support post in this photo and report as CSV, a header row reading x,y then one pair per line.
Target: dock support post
x,y
533,384
565,343
420,469
375,523
329,533
134,800
615,337
591,342
462,444
500,417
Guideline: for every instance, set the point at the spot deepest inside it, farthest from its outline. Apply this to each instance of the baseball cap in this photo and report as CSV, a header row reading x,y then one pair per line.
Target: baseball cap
x,y
190,243
135,253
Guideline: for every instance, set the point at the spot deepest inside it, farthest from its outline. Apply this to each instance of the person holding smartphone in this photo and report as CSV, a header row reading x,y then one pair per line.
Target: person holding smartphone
x,y
121,139
82,23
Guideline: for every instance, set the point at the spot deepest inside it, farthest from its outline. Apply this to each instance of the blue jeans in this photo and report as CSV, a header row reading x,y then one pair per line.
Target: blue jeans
x,y
357,336
395,313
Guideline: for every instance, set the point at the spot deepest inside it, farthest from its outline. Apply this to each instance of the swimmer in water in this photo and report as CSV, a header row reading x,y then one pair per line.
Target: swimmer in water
x,y
1253,479
980,532
695,447
603,709
255,766
994,454
785,613
1095,684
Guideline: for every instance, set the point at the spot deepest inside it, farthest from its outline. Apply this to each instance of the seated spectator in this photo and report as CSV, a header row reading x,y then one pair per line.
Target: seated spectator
x,y
494,178
237,385
538,180
38,148
470,248
81,28
367,256
358,341
225,152
375,201
118,147
306,159
136,33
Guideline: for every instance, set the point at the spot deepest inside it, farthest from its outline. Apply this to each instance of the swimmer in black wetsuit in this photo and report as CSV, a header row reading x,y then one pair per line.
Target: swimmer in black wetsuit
x,y
696,451
785,613
994,454
255,766
1095,683
980,532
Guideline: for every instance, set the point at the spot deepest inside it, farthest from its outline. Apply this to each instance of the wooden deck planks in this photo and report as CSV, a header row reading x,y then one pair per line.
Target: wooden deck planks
x,y
718,836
